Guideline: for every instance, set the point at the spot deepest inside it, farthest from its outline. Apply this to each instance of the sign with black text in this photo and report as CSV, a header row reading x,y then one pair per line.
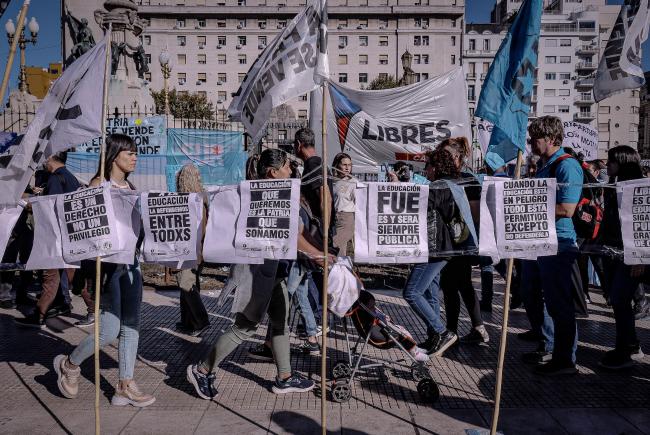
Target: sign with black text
x,y
635,222
149,134
583,138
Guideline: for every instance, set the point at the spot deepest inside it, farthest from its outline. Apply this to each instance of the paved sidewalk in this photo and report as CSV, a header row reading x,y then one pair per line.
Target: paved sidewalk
x,y
383,401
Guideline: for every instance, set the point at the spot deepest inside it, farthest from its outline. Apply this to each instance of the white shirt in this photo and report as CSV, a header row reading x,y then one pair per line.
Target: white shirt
x,y
344,194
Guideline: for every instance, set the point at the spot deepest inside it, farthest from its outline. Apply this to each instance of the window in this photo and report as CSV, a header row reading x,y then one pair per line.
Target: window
x,y
383,23
181,40
147,39
282,134
181,59
241,2
180,23
203,94
549,92
201,59
421,22
453,59
363,41
241,77
148,58
282,24
417,40
261,24
563,92
182,78
565,76
383,41
453,41
549,109
605,110
343,78
486,44
242,23
563,109
183,93
453,23
417,59
383,59
343,59
201,41
343,23
486,67
201,22
302,114
363,77
221,59
565,59
425,40
550,59
550,43
241,58
471,92
147,76
201,77
634,109
221,23
261,40
221,40
343,41
472,44
221,77
425,76
633,128
425,59
363,59
241,40
383,76
363,23
549,76
303,97
565,43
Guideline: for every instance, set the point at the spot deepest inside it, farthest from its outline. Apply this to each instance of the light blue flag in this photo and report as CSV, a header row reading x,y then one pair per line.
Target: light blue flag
x,y
508,87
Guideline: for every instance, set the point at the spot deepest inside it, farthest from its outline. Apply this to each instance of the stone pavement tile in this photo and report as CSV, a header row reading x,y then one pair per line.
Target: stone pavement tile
x,y
447,421
225,420
529,421
375,421
593,420
639,417
34,424
154,421
304,422
112,420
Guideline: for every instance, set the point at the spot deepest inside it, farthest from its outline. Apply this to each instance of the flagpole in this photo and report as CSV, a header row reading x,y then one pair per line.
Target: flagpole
x,y
98,261
504,326
325,202
12,50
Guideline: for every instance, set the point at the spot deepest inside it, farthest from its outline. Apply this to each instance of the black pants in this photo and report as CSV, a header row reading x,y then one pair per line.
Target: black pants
x,y
456,282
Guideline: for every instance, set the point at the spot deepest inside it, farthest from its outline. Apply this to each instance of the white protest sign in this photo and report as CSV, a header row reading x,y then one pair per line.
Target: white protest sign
x,y
8,216
525,218
397,222
635,222
361,224
487,232
128,224
149,134
268,222
88,224
47,251
583,138
219,244
170,226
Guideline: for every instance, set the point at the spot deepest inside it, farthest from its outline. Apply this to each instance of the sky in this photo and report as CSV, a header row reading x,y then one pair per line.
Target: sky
x,y
48,46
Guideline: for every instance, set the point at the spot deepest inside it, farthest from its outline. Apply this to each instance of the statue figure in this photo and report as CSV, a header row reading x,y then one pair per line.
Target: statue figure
x,y
116,52
80,34
141,65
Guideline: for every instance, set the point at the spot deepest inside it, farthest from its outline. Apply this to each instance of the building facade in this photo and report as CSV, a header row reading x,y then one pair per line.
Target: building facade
x,y
40,79
644,119
573,35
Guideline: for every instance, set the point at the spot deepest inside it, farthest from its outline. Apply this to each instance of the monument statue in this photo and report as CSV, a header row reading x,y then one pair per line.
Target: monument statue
x,y
81,36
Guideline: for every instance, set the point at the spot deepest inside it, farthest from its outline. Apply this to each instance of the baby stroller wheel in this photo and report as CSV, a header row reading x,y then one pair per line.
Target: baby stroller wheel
x,y
419,371
341,370
341,391
428,390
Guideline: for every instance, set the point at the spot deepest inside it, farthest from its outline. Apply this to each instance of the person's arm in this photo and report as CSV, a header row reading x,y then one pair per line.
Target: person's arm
x,y
569,178
565,210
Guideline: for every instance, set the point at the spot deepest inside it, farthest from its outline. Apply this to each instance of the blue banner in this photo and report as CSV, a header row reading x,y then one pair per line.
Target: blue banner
x,y
507,91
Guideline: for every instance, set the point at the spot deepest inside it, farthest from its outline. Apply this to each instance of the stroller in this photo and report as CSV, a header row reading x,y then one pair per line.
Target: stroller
x,y
374,328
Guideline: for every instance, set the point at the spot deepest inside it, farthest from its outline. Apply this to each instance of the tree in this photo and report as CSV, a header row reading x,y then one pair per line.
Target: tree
x,y
184,105
383,83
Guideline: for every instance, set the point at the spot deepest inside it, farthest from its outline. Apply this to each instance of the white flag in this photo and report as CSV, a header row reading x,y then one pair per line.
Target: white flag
x,y
293,64
70,114
620,64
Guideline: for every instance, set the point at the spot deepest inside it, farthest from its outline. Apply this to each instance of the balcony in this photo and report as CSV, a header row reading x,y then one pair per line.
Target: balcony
x,y
587,49
584,116
584,98
483,76
587,82
470,76
586,66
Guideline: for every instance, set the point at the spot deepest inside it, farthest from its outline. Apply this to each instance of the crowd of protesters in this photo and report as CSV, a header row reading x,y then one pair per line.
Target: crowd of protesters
x,y
553,290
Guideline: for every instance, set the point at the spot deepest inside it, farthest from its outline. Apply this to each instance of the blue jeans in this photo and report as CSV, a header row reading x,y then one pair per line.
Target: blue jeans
x,y
621,286
301,281
121,300
421,293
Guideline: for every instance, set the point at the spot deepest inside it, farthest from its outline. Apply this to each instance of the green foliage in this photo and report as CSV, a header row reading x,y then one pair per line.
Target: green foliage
x,y
184,105
383,83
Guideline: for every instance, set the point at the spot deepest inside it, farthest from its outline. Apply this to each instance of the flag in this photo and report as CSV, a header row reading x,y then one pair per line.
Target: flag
x,y
620,64
507,90
69,114
293,64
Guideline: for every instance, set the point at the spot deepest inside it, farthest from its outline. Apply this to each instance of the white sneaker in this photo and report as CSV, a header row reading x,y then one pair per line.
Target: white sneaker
x,y
131,395
419,354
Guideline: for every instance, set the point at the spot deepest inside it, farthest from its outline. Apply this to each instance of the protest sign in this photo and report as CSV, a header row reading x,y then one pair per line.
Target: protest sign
x,y
397,222
219,244
525,218
148,134
87,222
47,251
128,224
635,222
487,235
268,222
171,221
583,138
361,224
8,216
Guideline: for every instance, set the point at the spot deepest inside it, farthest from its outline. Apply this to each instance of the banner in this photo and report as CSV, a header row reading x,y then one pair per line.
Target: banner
x,y
267,226
126,206
149,135
293,64
488,215
8,216
69,114
170,222
583,138
508,88
403,123
397,222
635,222
525,217
88,224
620,63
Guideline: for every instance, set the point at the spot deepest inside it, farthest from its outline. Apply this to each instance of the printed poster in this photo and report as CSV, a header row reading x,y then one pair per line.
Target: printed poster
x,y
487,233
149,135
8,216
126,205
635,222
268,222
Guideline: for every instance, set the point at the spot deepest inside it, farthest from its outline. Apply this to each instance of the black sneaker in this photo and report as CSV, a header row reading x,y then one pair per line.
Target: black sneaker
x,y
309,348
295,383
616,360
203,384
7,304
530,336
261,352
478,335
89,320
430,343
537,357
32,321
59,310
447,338
553,368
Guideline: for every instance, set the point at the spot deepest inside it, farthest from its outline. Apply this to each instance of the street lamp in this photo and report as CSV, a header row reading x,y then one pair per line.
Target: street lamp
x,y
166,68
10,28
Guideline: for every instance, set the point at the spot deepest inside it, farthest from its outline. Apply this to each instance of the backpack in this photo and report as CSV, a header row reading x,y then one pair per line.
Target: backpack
x,y
589,211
